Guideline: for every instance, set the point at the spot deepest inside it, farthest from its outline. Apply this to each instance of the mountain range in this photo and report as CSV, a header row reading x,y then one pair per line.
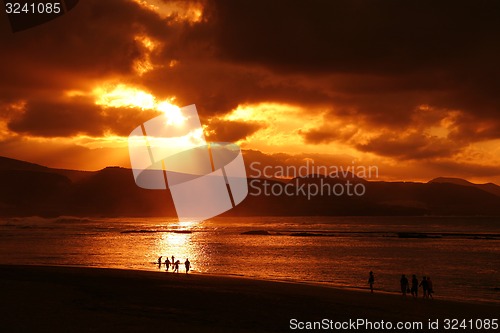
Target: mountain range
x,y
28,189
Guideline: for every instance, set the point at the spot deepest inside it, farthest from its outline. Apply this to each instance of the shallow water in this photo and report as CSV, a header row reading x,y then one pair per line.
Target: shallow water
x,y
462,255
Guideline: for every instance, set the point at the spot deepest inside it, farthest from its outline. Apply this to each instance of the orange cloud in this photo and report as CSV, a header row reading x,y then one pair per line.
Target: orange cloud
x,y
317,85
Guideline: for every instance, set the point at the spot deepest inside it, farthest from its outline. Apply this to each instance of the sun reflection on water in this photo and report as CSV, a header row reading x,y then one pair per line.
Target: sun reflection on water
x,y
182,242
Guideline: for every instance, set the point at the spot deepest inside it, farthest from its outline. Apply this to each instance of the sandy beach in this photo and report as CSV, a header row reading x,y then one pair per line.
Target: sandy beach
x,y
69,299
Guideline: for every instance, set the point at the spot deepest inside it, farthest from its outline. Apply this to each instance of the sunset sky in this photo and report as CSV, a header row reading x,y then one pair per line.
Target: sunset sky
x,y
410,86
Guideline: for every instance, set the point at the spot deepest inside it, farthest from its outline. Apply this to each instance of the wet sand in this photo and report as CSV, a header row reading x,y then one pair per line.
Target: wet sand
x,y
69,299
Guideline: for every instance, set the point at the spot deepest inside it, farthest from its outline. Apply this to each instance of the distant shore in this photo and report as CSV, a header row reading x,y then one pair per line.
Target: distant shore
x,y
55,299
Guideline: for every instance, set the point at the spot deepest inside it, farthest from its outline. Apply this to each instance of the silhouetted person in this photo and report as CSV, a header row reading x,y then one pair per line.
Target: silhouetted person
x,y
371,281
430,290
404,284
159,262
176,265
167,264
425,286
187,264
414,286
173,261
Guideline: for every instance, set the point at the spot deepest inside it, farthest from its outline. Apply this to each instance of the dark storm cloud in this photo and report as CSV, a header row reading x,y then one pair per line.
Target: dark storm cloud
x,y
356,36
75,116
413,146
231,131
327,134
468,126
57,119
410,143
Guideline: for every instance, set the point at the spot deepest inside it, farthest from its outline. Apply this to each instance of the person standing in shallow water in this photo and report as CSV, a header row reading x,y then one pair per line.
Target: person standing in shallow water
x,y
176,265
167,264
371,281
404,284
159,262
187,264
424,286
430,290
414,286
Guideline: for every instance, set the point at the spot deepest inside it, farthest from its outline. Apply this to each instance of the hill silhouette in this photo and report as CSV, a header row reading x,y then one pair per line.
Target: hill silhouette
x,y
28,189
488,187
12,164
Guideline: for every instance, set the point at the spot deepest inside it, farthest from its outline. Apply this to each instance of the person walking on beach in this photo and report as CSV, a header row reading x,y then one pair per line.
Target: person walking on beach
x,y
404,284
176,269
425,286
187,264
371,281
430,290
414,286
159,262
167,264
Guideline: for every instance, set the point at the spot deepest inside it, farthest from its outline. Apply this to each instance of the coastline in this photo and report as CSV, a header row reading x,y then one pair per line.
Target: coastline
x,y
76,299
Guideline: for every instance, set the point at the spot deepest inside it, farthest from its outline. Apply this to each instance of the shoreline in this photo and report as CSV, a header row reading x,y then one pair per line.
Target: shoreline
x,y
76,299
277,280
351,288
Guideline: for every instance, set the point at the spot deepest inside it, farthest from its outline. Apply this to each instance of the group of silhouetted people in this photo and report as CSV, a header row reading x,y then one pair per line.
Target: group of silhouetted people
x,y
174,263
426,285
407,287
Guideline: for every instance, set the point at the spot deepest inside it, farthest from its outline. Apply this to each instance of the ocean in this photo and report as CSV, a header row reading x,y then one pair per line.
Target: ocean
x,y
461,254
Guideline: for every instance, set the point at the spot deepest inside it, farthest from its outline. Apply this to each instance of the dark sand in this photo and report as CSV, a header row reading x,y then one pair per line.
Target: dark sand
x,y
68,299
